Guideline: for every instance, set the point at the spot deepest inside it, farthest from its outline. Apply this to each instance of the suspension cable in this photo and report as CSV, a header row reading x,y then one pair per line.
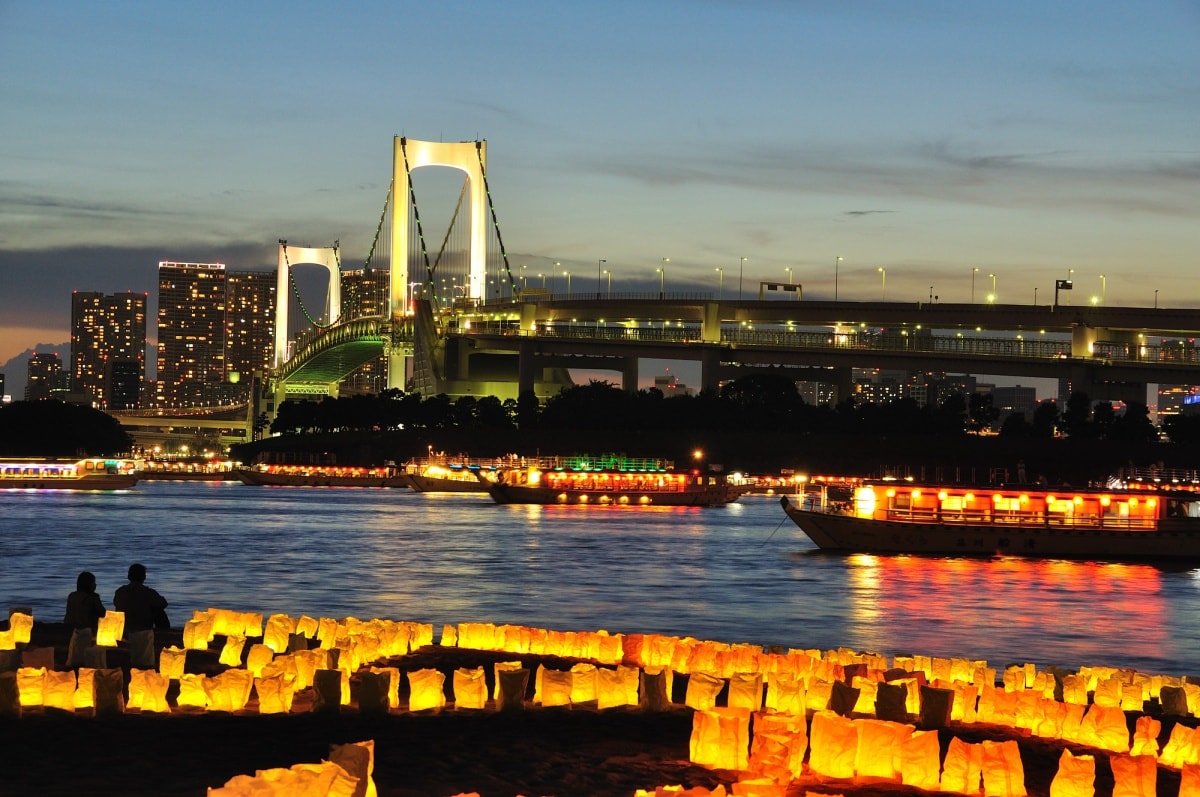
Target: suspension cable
x,y
512,283
412,196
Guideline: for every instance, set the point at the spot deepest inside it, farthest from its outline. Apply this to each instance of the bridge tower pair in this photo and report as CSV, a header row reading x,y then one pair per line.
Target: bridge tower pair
x,y
408,155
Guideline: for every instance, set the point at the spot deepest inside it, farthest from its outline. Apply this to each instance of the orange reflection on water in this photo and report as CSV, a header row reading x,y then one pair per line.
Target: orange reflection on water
x,y
1011,609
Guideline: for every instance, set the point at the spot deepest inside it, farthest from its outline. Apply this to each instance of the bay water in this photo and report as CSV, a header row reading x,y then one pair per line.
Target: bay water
x,y
737,573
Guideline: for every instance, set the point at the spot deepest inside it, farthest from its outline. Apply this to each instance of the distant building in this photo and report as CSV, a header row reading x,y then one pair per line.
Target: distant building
x,y
191,334
1011,400
1177,399
108,336
250,300
44,377
364,293
669,385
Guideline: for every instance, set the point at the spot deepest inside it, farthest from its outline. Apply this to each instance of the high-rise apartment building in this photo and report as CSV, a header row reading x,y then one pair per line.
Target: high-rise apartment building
x,y
191,334
44,376
249,324
364,293
108,347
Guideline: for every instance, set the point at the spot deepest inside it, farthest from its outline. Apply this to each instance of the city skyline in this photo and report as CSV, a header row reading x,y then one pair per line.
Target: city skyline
x,y
939,144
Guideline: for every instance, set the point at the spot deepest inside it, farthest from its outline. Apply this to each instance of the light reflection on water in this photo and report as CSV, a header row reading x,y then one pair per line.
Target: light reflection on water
x,y
733,573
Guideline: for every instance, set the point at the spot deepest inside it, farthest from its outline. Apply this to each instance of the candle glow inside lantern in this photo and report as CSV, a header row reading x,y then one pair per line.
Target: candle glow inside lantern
x,y
1076,776
1003,773
920,760
583,682
171,662
229,691
833,743
278,631
556,686
258,657
962,769
58,690
197,633
426,690
110,628
84,688
720,738
746,691
275,694
193,692
148,691
1134,775
20,625
702,691
31,683
877,751
470,688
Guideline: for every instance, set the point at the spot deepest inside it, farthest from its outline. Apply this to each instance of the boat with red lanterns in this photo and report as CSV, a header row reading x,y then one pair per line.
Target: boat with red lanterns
x,y
321,476
1119,522
610,480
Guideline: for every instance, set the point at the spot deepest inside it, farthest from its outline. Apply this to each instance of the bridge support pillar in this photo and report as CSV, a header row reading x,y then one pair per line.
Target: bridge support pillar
x,y
710,325
710,367
526,367
843,383
629,374
1083,340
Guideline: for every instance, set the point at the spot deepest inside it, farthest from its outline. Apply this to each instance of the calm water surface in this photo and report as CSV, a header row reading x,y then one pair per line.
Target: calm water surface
x,y
737,573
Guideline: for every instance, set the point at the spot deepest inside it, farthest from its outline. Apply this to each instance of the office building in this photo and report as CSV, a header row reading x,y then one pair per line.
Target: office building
x,y
191,334
108,347
364,293
44,376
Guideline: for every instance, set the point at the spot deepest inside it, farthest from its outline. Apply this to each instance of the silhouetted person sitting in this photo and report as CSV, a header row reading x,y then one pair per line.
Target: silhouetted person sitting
x,y
84,607
144,608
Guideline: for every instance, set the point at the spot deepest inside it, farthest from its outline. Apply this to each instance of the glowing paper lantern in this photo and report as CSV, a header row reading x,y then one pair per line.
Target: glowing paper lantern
x,y
197,633
630,678
1003,774
1134,776
193,691
31,683
1029,709
833,744
778,743
610,690
230,690
920,760
1051,724
426,690
819,695
275,694
1072,722
720,738
759,787
1105,727
470,688
171,662
746,691
962,769
555,687
785,693
702,691
1181,747
258,657
20,625
110,628
278,632
1145,736
1076,776
583,682
58,690
148,691
1108,693
85,688
878,750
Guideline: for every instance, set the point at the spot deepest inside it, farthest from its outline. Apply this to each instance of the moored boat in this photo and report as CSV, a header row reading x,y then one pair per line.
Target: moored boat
x,y
454,474
1024,520
321,476
610,480
90,473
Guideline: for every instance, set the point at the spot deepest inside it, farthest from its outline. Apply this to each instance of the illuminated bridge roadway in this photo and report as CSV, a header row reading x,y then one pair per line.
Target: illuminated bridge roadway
x,y
504,347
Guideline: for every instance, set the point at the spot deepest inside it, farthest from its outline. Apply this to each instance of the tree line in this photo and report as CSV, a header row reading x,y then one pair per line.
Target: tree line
x,y
758,403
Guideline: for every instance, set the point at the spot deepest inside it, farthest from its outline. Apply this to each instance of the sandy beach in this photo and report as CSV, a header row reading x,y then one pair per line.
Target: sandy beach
x,y
533,751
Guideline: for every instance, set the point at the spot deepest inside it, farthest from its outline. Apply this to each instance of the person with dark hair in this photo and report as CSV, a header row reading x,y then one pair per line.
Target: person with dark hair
x,y
84,607
144,608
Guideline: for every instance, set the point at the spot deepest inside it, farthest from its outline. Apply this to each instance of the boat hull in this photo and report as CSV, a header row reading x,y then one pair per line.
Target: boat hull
x,y
1172,540
435,484
523,494
259,478
91,482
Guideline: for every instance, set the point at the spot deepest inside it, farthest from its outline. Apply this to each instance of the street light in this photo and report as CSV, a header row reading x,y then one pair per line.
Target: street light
x,y
662,277
609,273
836,264
598,273
789,273
523,278
720,283
567,274
974,271
992,295
543,276
1103,288
741,271
1070,280
882,284
557,266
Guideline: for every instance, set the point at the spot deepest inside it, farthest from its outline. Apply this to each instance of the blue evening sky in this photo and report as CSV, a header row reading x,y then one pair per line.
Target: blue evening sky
x,y
928,138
